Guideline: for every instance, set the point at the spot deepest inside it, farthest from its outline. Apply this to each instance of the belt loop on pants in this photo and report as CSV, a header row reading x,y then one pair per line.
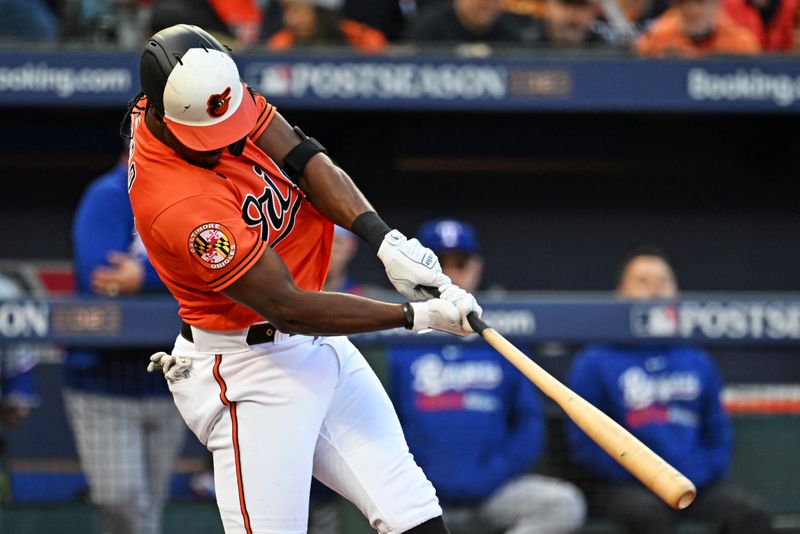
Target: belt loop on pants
x,y
256,334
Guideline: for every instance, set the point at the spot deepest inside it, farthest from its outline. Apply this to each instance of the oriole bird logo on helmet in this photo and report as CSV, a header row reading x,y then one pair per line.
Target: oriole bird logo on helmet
x,y
218,104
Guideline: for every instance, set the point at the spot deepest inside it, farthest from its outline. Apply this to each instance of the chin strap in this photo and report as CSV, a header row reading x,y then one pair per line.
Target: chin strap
x,y
237,148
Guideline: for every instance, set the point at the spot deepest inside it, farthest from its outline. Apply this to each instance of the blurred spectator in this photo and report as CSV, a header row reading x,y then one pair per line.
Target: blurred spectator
x,y
242,17
121,22
237,23
623,21
422,6
17,395
17,390
27,20
668,396
771,21
315,22
456,245
796,33
566,24
466,21
387,16
696,27
473,422
126,427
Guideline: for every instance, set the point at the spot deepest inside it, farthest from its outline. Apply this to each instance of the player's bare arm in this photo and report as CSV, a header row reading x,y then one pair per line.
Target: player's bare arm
x,y
411,268
296,311
328,187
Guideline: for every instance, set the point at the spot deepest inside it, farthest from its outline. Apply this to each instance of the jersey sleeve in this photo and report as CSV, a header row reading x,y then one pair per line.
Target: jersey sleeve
x,y
266,112
205,237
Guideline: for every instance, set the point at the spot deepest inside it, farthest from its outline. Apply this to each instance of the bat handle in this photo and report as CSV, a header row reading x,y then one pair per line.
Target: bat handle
x,y
474,321
477,324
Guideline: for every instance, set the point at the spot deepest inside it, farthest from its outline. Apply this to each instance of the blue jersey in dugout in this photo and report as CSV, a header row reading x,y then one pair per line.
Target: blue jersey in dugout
x,y
104,222
667,396
472,421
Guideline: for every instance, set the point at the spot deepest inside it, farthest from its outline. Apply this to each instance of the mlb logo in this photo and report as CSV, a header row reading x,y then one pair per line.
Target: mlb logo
x,y
654,321
276,80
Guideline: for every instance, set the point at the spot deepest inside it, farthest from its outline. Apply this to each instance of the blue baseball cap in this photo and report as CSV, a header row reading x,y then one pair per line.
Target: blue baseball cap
x,y
448,235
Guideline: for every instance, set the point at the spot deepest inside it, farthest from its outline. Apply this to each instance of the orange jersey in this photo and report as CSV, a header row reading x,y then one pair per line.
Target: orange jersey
x,y
665,38
360,36
204,228
778,33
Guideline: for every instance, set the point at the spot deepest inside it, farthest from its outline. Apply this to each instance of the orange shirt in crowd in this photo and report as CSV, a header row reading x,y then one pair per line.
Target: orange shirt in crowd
x,y
243,17
778,34
360,36
665,38
205,228
235,12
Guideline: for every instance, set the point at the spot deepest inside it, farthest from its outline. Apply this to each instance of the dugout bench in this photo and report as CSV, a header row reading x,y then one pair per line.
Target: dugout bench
x,y
766,462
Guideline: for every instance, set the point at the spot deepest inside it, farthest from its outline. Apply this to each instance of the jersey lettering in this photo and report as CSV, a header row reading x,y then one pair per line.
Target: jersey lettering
x,y
131,164
131,176
273,211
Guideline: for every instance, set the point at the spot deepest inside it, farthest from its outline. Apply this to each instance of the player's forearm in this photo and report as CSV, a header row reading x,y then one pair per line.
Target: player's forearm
x,y
269,290
315,313
332,191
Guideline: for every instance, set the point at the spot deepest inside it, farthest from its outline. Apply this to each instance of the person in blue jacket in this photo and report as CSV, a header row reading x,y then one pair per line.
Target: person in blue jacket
x,y
474,423
668,396
127,430
17,390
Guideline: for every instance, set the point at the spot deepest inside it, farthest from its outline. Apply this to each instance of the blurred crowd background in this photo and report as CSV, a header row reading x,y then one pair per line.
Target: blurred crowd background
x,y
533,205
648,27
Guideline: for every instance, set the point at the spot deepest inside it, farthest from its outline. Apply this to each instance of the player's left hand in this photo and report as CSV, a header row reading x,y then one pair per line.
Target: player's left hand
x,y
437,314
12,415
464,301
124,274
410,266
175,368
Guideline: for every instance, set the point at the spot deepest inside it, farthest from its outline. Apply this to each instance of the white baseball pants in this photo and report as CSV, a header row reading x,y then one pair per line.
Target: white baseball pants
x,y
274,414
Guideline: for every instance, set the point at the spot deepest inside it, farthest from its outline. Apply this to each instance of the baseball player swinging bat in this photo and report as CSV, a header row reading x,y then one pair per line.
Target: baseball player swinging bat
x,y
660,477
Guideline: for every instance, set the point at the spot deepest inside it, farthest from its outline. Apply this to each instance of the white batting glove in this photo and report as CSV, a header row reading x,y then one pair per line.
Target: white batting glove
x,y
175,368
438,314
410,266
465,302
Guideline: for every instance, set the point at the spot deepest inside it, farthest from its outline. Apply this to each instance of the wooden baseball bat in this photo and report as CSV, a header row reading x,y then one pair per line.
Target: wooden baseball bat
x,y
660,477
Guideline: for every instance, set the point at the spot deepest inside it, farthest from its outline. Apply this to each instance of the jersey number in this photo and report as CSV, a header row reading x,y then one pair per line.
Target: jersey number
x,y
272,211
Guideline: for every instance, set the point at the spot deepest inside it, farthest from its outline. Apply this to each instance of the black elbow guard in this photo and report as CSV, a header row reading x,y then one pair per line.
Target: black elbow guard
x,y
297,158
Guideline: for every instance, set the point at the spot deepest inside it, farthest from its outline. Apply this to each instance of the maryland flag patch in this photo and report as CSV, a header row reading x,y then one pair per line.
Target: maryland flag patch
x,y
213,245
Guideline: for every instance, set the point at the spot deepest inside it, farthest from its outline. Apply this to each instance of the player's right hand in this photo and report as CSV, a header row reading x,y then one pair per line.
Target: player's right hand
x,y
439,315
464,301
410,266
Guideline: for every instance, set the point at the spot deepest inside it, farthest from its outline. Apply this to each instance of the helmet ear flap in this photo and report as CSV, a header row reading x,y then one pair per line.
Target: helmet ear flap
x,y
154,69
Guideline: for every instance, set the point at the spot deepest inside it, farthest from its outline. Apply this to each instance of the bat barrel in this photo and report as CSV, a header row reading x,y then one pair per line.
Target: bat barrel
x,y
661,478
674,489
